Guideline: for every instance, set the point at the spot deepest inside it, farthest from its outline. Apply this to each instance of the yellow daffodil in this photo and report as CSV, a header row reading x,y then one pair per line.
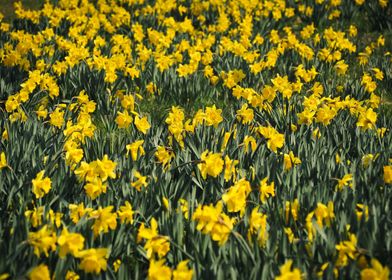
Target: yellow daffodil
x,y
41,185
40,272
286,272
93,260
211,164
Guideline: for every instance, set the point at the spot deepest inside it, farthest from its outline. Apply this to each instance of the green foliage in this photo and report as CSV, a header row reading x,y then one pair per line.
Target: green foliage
x,y
326,150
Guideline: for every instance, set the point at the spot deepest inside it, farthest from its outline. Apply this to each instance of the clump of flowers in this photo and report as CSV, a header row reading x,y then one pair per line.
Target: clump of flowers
x,y
211,220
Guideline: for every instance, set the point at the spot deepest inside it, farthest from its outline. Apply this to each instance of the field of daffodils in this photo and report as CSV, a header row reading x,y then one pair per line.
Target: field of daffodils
x,y
204,139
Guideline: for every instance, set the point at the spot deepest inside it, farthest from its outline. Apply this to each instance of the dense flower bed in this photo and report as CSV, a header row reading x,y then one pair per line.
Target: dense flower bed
x,y
233,139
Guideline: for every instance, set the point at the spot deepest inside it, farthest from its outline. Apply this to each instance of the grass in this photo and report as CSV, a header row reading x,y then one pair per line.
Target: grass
x,y
161,108
338,152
